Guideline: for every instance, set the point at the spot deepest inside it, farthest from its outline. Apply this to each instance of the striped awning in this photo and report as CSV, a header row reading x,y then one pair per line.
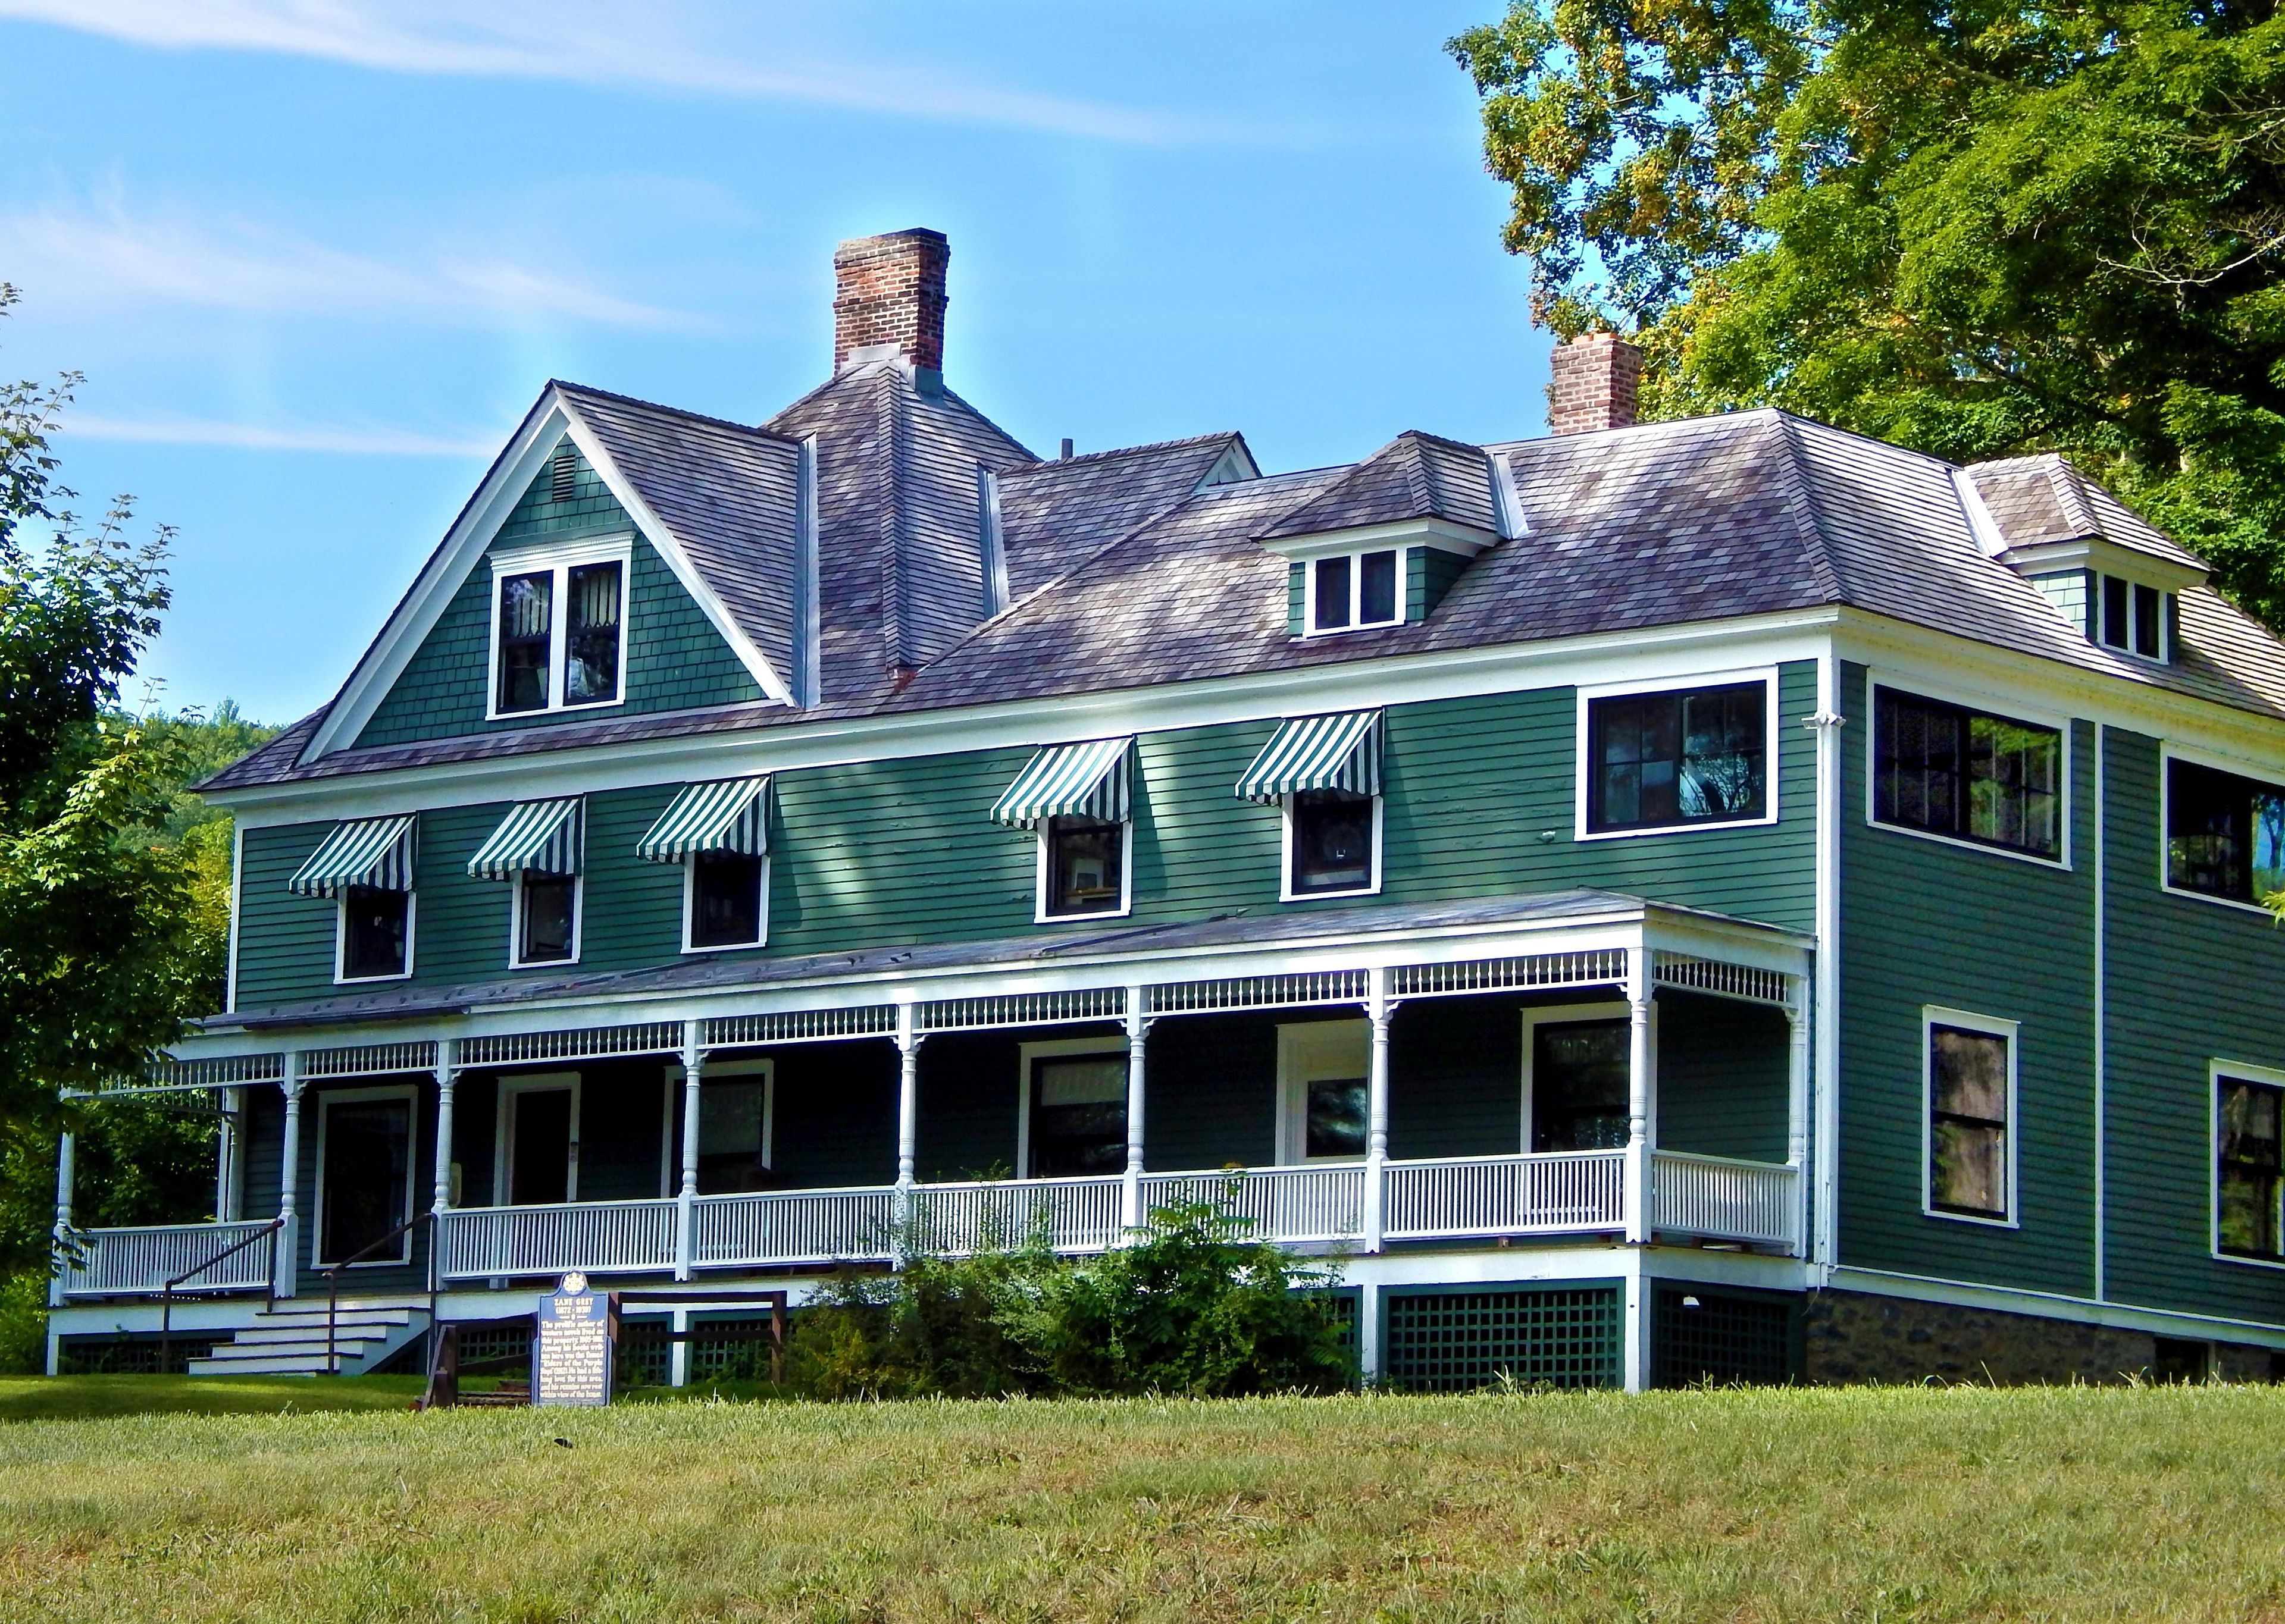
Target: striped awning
x,y
542,837
1317,752
727,815
372,851
1069,780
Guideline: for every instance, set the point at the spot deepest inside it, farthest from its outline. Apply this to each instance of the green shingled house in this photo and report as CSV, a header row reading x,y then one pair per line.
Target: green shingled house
x,y
1720,898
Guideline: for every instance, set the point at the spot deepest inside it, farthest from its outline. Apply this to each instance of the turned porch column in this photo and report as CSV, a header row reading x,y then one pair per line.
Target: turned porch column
x,y
1379,1007
1797,1081
227,1141
66,1163
908,1095
289,1180
1642,1094
1131,1214
686,1214
447,1076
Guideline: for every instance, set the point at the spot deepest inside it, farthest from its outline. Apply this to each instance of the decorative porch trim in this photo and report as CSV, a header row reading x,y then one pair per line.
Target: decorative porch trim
x,y
1256,992
1022,1009
220,1071
580,1043
1600,967
368,1059
797,1026
1724,980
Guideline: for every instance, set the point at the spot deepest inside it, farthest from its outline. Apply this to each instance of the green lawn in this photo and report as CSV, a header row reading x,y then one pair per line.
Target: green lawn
x,y
1871,1504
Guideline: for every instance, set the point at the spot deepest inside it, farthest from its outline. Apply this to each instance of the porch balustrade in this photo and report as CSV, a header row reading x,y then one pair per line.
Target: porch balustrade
x,y
595,1238
140,1261
1294,1204
1544,1194
810,1225
1718,1199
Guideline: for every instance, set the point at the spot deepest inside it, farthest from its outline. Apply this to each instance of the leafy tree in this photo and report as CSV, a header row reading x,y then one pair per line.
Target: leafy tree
x,y
1980,227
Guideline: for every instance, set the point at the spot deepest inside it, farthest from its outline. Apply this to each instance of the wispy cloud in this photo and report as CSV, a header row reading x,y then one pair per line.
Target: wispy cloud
x,y
604,44
361,442
112,258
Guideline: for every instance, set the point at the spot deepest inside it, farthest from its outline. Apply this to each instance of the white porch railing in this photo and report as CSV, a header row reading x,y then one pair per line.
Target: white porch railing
x,y
1544,1194
596,1237
139,1262
1719,1199
809,1225
1285,1203
1077,1214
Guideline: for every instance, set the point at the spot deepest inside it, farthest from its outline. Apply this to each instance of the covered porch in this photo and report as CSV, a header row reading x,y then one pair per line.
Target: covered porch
x,y
1586,1069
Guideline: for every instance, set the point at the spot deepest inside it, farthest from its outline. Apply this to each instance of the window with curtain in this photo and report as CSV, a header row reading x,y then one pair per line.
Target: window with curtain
x,y
591,663
1079,1115
526,629
1670,760
1945,769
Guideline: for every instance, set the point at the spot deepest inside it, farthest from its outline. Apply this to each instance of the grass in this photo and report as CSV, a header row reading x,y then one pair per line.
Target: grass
x,y
37,1397
1883,1504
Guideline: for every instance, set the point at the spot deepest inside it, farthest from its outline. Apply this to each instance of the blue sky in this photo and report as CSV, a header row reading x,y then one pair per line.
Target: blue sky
x,y
316,257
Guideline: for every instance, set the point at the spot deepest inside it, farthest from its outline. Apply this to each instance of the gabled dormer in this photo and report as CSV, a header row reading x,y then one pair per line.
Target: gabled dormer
x,y
1385,541
2113,577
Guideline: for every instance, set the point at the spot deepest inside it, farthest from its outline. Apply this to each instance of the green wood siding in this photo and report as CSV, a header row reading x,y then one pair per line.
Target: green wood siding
x,y
1429,573
1297,600
1927,922
676,660
899,853
2190,982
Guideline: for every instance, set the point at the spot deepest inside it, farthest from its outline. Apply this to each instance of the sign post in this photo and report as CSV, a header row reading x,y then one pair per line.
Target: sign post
x,y
571,1354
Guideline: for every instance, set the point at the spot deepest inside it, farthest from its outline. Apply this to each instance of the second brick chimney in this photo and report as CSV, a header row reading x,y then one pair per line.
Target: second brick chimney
x,y
888,298
1592,384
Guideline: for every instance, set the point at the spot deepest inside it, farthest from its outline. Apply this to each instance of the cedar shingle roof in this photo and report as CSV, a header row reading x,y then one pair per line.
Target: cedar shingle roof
x,y
1413,476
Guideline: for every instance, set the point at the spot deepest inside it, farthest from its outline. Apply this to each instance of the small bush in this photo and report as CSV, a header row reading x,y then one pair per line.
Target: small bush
x,y
1193,1305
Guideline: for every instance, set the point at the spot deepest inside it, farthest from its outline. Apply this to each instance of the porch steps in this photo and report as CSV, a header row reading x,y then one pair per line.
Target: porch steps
x,y
290,1339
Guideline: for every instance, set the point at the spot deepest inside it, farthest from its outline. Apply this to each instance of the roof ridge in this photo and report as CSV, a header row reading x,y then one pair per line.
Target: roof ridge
x,y
1039,465
2070,494
653,406
1808,516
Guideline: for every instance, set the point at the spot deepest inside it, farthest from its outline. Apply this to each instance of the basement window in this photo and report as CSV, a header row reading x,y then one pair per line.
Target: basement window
x,y
558,624
2225,833
1354,591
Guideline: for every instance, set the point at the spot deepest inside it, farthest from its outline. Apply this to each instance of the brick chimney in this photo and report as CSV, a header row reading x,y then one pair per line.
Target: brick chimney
x,y
1593,384
888,298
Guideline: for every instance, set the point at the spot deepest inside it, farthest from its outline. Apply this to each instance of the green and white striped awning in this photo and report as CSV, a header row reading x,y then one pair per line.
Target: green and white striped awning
x,y
1317,752
541,836
1069,780
727,815
370,852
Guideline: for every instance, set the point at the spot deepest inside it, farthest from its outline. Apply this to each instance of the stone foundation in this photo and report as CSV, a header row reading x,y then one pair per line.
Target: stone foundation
x,y
1857,1337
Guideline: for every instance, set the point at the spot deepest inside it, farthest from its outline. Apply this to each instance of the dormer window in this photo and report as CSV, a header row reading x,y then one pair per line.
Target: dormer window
x,y
2133,617
1352,591
558,629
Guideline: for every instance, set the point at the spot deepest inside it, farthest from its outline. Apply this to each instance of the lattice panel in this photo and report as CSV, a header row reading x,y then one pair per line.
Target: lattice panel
x,y
370,1060
1023,1010
1759,986
1453,1341
587,1043
1699,1336
217,1072
798,1026
1545,969
1258,993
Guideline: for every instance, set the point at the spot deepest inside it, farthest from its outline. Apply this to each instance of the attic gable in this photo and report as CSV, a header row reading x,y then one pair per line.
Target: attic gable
x,y
716,508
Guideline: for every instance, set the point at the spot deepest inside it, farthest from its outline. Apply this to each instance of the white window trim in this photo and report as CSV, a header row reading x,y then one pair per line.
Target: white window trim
x,y
2216,1070
1937,1014
1048,1047
1966,700
1309,626
504,1117
326,1100
341,941
1536,1015
1039,914
561,558
1293,1080
2166,613
690,914
762,1066
1583,766
515,960
2168,754
1285,891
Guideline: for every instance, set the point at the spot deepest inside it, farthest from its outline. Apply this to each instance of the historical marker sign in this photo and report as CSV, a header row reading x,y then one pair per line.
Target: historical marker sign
x,y
571,1355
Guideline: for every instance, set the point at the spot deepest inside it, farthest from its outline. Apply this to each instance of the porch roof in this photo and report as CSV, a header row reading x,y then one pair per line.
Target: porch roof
x,y
1125,951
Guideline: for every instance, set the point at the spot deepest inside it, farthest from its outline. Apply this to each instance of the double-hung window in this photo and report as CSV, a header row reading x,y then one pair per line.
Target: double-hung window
x,y
719,831
1970,1063
1074,1121
558,628
1324,771
1676,759
1944,769
2225,833
2132,617
536,850
1353,591
366,866
1078,800
2250,1172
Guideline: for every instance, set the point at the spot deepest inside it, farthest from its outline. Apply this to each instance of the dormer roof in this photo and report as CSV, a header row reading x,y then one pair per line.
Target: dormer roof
x,y
2045,513
1415,479
1054,515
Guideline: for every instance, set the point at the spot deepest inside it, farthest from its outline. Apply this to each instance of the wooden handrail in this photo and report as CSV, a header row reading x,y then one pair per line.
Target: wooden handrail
x,y
166,1291
334,1284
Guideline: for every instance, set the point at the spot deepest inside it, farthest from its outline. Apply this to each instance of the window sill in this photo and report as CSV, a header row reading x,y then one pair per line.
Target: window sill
x,y
1315,632
367,981
2247,1260
544,964
2220,902
1372,889
546,712
727,946
2061,865
1971,1218
1121,911
1581,832
368,1263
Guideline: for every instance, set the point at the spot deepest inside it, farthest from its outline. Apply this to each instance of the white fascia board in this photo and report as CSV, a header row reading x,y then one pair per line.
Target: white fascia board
x,y
2126,698
669,547
1442,534
2100,553
1654,654
424,603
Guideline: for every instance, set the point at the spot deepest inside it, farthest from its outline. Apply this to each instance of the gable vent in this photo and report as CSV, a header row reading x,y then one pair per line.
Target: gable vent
x,y
563,473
